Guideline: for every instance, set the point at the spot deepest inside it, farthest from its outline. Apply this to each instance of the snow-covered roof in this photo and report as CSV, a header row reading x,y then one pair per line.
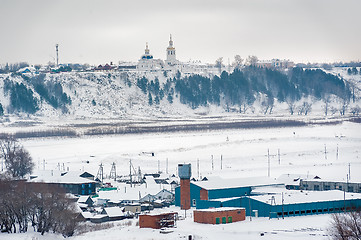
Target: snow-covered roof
x,y
221,183
55,176
87,214
159,213
82,205
293,179
223,199
114,211
83,199
132,193
335,180
221,209
99,216
295,196
268,190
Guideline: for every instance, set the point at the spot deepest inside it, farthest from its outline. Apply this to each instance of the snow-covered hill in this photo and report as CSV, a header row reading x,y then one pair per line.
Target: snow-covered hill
x,y
115,96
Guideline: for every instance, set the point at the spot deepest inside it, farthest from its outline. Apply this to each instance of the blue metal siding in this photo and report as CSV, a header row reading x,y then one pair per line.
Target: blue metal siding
x,y
177,196
205,204
228,192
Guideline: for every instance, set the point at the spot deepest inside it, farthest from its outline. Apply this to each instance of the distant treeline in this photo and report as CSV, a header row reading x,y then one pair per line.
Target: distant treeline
x,y
195,127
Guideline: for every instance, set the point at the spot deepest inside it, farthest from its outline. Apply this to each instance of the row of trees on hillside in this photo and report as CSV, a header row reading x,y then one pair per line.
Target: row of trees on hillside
x,y
242,87
22,97
154,91
51,92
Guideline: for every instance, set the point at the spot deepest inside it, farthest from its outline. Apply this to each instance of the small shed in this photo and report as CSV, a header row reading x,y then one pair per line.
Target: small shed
x,y
219,215
158,221
133,207
86,200
114,213
165,195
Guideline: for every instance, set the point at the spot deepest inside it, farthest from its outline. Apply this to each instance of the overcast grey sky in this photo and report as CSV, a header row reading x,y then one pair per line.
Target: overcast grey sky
x,y
100,31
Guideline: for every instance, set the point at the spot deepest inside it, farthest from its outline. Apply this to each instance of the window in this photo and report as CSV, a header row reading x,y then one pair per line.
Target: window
x,y
327,187
316,187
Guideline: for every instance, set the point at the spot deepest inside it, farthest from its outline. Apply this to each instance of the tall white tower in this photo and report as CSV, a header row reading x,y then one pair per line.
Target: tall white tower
x,y
171,58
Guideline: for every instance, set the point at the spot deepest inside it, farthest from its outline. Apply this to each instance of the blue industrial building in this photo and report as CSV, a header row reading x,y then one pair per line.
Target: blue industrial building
x,y
266,198
222,188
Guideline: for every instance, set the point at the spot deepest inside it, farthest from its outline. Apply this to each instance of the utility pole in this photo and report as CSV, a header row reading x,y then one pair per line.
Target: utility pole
x,y
130,172
212,163
221,162
349,171
269,164
325,152
337,152
166,166
279,157
283,213
198,167
57,54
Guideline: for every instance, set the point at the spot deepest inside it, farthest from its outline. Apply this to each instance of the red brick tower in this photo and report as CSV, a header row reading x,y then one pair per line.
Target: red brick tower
x,y
184,172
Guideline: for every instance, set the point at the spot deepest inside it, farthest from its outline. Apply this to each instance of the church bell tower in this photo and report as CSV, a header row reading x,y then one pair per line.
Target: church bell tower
x,y
171,58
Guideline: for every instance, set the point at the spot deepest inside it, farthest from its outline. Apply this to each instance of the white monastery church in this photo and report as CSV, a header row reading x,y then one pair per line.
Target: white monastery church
x,y
148,63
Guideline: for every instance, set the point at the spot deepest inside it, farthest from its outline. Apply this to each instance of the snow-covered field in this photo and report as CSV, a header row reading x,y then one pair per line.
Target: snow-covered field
x,y
243,151
305,227
244,154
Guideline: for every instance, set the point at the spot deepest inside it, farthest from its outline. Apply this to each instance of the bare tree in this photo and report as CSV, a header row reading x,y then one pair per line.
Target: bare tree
x,y
18,161
219,64
343,106
305,108
238,61
251,60
355,110
346,226
267,104
326,107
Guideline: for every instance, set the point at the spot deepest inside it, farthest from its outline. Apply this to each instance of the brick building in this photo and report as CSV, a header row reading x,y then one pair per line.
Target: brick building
x,y
219,215
158,221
